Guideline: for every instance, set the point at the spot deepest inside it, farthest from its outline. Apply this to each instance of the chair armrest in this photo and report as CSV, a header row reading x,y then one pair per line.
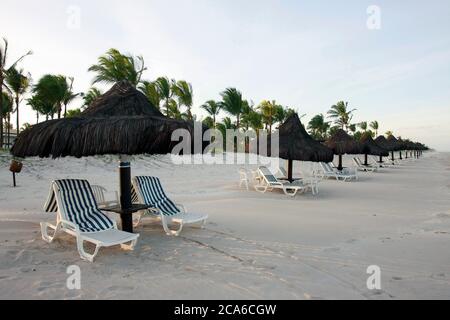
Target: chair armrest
x,y
181,207
66,223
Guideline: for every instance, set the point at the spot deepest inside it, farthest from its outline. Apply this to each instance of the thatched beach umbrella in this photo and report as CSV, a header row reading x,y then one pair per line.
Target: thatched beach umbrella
x,y
122,122
382,142
296,144
369,146
395,146
341,143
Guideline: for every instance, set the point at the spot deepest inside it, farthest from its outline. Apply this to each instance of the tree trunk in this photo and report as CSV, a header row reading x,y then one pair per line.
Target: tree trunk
x,y
238,122
37,117
340,167
8,130
17,112
65,110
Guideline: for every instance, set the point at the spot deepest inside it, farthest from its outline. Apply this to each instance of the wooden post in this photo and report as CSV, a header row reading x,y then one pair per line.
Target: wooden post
x,y
290,169
340,167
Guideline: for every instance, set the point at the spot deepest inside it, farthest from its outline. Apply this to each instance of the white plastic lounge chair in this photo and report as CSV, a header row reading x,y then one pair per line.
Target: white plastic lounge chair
x,y
362,167
375,162
99,195
148,190
79,216
243,180
330,172
312,183
268,182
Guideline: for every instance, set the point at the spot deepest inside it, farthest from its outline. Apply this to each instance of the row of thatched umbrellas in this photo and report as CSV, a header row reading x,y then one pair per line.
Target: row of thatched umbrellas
x,y
124,122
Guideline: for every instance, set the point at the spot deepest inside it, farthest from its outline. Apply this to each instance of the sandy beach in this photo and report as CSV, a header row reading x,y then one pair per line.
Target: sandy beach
x,y
255,246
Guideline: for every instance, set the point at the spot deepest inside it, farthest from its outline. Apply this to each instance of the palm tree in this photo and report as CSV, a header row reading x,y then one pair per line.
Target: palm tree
x,y
375,126
164,87
185,94
7,108
40,106
363,125
69,95
341,115
73,113
233,104
3,70
269,110
150,90
213,109
318,127
90,96
115,66
52,90
18,83
389,133
283,113
173,111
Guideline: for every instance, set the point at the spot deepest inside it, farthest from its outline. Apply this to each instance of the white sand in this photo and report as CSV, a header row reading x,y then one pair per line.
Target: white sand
x,y
255,246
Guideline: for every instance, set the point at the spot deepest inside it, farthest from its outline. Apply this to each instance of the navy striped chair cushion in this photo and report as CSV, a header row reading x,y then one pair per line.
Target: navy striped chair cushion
x,y
79,205
154,195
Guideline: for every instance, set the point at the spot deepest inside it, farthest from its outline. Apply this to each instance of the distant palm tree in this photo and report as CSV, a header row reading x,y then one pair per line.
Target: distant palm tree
x,y
70,95
283,113
41,106
150,90
341,115
115,66
318,127
73,113
52,90
389,133
269,111
233,103
90,96
375,126
363,125
185,96
3,70
164,87
19,84
213,109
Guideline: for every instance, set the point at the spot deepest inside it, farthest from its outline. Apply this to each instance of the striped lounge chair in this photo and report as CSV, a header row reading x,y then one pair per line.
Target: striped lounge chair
x,y
78,215
148,190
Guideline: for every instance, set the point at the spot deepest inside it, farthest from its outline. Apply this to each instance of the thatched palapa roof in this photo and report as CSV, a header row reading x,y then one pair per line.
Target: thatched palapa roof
x,y
382,142
296,144
369,146
122,121
341,143
396,144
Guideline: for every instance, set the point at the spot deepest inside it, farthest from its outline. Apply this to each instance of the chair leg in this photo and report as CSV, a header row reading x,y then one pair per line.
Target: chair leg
x,y
44,231
83,254
130,246
168,231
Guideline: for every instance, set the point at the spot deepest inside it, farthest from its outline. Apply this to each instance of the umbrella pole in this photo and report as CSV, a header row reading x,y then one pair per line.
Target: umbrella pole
x,y
125,195
366,162
340,167
14,179
290,167
393,158
401,158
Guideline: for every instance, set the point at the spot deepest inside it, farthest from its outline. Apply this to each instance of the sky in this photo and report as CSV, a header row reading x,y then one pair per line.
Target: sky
x,y
389,59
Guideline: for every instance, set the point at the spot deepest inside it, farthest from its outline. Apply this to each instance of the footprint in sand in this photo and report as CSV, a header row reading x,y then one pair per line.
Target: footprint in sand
x,y
397,278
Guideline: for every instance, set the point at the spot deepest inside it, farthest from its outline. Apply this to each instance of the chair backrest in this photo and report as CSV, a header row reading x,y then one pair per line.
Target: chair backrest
x,y
150,191
268,176
357,161
283,172
99,193
326,167
76,203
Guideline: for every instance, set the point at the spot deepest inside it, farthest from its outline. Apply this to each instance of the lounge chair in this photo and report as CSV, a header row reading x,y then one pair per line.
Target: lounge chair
x,y
79,216
313,183
329,172
268,182
362,167
375,162
244,181
148,190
